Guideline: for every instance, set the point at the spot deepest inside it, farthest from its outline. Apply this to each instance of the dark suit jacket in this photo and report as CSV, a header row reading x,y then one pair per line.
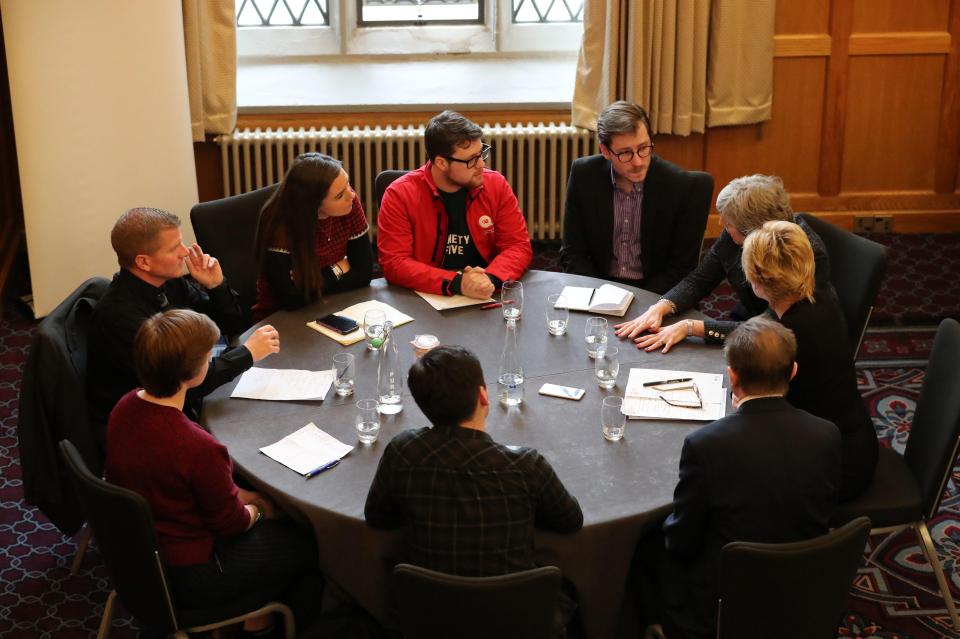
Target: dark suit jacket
x,y
768,473
673,218
826,386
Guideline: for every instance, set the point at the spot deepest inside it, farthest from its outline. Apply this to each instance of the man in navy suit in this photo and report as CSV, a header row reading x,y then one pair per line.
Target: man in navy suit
x,y
629,215
767,473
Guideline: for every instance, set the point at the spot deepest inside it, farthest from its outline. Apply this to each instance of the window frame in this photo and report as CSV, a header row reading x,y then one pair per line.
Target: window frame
x,y
345,36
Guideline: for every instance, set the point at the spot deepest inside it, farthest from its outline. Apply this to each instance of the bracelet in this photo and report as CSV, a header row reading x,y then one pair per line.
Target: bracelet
x,y
259,515
689,327
337,271
673,307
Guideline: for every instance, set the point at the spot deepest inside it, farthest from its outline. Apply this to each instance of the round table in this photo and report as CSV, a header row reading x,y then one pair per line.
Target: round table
x,y
623,487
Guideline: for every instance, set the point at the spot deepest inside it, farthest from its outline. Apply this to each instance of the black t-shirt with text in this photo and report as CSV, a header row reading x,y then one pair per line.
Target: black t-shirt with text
x,y
460,250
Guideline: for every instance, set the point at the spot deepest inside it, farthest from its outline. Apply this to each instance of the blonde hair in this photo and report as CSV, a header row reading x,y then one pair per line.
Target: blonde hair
x,y
778,257
752,200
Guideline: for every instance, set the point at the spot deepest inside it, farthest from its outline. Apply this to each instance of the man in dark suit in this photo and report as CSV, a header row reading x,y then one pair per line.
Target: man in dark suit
x,y
767,473
631,216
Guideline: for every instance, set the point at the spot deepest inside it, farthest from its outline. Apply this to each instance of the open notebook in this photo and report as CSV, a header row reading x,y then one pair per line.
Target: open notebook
x,y
607,300
355,313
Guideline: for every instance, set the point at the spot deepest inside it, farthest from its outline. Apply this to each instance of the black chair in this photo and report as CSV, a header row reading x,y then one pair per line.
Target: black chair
x,y
434,605
906,490
53,406
123,526
226,229
382,181
804,583
857,266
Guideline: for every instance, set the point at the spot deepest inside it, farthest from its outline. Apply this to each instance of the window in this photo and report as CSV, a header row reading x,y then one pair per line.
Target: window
x,y
297,28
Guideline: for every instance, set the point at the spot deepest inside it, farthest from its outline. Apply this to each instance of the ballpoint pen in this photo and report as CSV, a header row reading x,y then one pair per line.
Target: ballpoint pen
x,y
317,471
663,382
495,304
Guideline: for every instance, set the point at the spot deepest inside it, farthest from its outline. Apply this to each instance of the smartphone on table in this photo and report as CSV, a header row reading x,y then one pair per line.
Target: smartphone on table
x,y
342,325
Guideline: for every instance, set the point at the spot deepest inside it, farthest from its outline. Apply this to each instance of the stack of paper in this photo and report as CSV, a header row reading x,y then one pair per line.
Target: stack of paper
x,y
647,402
608,299
307,450
444,302
355,313
283,384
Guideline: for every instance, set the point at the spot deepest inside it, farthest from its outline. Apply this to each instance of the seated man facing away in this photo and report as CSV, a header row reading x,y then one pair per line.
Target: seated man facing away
x,y
440,484
452,227
151,254
629,215
767,473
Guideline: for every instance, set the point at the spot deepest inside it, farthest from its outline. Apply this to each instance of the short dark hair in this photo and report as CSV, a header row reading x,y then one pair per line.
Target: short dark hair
x,y
137,232
761,352
619,118
445,383
170,348
446,131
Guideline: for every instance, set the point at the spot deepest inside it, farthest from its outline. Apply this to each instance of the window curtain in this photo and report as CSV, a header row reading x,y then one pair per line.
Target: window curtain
x,y
210,39
690,63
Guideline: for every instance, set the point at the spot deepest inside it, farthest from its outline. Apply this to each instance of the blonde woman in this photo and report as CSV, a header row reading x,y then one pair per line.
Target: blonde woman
x,y
745,204
778,262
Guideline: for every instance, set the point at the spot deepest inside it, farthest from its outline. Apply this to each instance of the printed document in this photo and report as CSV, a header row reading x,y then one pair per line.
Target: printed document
x,y
653,402
283,384
307,449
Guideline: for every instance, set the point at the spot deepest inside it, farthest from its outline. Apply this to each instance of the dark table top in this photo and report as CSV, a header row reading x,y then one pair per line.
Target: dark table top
x,y
617,483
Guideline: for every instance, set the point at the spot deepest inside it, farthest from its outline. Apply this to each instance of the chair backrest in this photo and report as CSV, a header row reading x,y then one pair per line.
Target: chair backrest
x,y
383,180
935,432
805,583
226,229
433,605
857,266
123,528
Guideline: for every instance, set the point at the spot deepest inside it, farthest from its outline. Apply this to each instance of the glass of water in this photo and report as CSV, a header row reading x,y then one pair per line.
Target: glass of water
x,y
344,373
612,419
607,366
558,315
511,298
373,321
368,420
595,334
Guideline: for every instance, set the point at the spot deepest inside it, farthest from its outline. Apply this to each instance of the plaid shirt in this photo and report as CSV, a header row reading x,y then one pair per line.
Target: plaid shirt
x,y
627,208
468,505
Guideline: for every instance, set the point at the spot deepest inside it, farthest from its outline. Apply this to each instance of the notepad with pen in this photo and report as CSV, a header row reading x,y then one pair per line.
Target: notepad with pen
x,y
606,300
308,451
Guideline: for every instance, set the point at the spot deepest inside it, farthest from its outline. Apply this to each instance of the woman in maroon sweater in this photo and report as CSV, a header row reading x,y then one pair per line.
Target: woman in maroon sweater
x,y
219,542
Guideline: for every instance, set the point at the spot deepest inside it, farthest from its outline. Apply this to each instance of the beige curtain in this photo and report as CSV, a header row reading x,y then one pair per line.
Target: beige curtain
x,y
658,53
210,36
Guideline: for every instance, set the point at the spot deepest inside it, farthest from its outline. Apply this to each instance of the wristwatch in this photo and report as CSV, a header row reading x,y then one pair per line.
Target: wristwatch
x,y
689,327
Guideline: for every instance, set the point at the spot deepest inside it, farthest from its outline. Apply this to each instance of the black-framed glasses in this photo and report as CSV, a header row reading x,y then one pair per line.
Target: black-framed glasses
x,y
472,162
681,397
641,151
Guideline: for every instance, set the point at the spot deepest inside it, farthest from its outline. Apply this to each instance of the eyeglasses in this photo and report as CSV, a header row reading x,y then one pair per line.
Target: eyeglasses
x,y
641,151
472,162
681,397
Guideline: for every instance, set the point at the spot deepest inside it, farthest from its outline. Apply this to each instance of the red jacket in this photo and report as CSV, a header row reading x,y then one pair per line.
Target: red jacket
x,y
412,231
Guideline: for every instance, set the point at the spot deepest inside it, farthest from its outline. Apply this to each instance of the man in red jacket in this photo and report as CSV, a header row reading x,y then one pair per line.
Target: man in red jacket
x,y
452,227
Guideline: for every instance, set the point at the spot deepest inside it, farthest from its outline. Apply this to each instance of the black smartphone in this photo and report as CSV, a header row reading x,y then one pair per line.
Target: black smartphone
x,y
342,325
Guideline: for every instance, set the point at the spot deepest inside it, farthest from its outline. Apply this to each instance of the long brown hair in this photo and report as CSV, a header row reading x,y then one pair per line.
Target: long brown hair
x,y
292,212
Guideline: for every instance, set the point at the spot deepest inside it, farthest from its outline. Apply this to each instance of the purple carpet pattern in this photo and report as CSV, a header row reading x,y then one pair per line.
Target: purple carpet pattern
x,y
893,597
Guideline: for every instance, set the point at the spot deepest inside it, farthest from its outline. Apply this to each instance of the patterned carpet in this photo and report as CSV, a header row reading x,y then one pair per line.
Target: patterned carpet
x,y
893,597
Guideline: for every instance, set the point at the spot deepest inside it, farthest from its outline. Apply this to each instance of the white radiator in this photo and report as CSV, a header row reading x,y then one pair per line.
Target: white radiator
x,y
535,158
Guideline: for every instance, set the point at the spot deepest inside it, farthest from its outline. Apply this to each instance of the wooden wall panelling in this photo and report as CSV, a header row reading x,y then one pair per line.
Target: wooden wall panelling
x,y
948,149
685,151
808,16
835,99
899,15
789,144
890,140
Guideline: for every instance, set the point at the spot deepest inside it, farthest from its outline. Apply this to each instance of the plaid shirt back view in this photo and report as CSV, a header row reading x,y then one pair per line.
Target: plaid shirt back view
x,y
468,506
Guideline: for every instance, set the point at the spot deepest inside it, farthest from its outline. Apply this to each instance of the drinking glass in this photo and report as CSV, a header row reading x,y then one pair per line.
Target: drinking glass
x,y
612,420
607,366
345,373
373,327
511,298
368,420
557,318
595,334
